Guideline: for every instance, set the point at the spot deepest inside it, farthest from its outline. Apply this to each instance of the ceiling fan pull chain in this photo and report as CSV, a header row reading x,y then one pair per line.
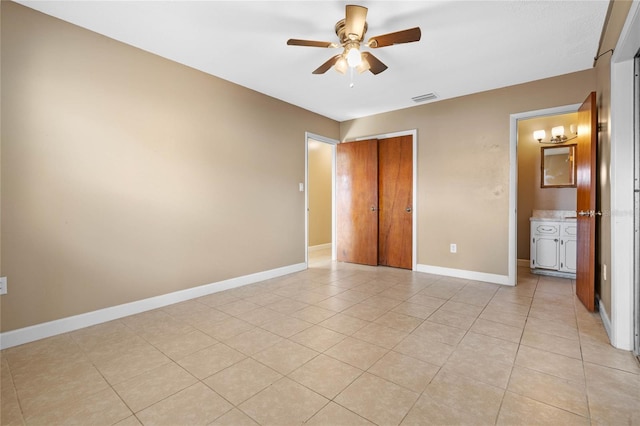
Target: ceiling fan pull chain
x,y
351,77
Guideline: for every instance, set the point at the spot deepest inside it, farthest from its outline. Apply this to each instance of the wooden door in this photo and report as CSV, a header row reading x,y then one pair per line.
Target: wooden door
x,y
586,203
357,202
395,195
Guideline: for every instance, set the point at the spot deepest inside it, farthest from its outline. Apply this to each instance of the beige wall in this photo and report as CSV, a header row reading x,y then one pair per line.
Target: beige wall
x,y
320,171
619,12
126,176
530,195
463,166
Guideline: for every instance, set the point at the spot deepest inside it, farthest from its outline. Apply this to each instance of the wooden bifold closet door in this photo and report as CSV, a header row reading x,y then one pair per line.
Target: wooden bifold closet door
x,y
374,211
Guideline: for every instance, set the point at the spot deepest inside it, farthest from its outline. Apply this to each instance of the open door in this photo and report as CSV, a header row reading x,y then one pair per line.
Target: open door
x,y
586,203
357,202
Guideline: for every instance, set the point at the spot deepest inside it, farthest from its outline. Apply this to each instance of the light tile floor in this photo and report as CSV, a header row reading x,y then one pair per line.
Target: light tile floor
x,y
337,344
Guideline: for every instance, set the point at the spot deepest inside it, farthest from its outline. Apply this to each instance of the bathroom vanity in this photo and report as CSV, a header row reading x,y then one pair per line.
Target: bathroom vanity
x,y
553,243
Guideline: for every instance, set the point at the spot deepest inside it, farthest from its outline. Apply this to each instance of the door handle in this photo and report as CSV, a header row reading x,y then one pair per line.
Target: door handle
x,y
408,209
373,208
589,213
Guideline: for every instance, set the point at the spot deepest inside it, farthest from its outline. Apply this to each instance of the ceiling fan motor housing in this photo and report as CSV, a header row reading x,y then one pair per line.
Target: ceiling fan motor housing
x,y
341,27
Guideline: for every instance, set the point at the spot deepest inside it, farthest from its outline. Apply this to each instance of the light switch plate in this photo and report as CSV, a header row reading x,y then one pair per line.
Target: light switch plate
x,y
3,285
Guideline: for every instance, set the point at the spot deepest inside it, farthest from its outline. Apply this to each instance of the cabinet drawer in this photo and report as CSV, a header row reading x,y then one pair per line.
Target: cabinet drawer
x,y
569,230
546,229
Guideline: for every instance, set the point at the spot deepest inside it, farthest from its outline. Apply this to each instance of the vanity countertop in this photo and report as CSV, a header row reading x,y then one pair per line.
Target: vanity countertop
x,y
553,216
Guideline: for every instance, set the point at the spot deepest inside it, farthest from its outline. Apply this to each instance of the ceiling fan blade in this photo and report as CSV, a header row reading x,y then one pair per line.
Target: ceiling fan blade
x,y
355,20
310,43
375,65
325,67
405,36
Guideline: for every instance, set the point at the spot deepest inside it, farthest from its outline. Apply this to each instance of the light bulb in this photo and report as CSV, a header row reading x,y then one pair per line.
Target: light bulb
x,y
353,57
557,131
539,135
364,66
341,65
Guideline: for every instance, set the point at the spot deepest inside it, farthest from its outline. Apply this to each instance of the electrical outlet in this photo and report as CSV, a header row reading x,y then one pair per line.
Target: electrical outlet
x,y
3,285
453,248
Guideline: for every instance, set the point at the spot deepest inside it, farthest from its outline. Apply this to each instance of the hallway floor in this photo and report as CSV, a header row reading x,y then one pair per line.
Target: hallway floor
x,y
337,344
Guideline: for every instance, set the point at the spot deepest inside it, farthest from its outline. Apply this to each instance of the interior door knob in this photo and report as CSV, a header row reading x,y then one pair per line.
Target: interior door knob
x,y
408,209
373,208
589,213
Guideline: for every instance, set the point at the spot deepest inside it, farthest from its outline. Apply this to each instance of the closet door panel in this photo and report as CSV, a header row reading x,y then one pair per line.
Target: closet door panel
x,y
357,202
395,194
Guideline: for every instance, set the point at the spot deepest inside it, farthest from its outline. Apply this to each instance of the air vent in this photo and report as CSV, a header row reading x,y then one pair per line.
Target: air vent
x,y
425,97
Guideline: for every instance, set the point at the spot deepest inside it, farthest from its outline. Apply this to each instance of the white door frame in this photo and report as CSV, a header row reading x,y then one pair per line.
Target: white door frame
x,y
621,176
513,179
333,142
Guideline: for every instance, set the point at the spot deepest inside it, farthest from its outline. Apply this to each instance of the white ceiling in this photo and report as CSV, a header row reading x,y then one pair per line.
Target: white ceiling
x,y
466,46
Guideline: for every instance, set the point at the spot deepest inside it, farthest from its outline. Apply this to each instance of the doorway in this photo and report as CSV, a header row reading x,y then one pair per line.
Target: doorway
x,y
585,163
513,179
320,158
532,196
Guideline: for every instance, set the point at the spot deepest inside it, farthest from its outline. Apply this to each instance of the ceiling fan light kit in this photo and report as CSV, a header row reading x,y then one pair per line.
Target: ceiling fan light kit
x,y
350,32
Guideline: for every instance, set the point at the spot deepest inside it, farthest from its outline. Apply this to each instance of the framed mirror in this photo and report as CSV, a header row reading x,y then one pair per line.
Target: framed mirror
x,y
558,166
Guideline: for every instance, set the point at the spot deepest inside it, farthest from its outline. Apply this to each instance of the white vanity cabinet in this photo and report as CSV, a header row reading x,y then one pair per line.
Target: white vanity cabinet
x,y
553,246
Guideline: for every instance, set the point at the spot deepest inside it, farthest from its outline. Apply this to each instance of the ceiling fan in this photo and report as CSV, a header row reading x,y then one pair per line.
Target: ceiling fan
x,y
350,32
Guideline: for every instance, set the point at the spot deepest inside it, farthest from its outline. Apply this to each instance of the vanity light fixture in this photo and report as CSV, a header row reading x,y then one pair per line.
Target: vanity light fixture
x,y
557,134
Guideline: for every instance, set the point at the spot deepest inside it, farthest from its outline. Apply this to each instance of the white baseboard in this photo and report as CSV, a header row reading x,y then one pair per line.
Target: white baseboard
x,y
461,273
552,273
320,247
21,336
605,319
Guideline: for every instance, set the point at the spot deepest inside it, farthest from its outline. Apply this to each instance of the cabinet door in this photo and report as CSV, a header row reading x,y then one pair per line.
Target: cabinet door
x,y
568,249
546,252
